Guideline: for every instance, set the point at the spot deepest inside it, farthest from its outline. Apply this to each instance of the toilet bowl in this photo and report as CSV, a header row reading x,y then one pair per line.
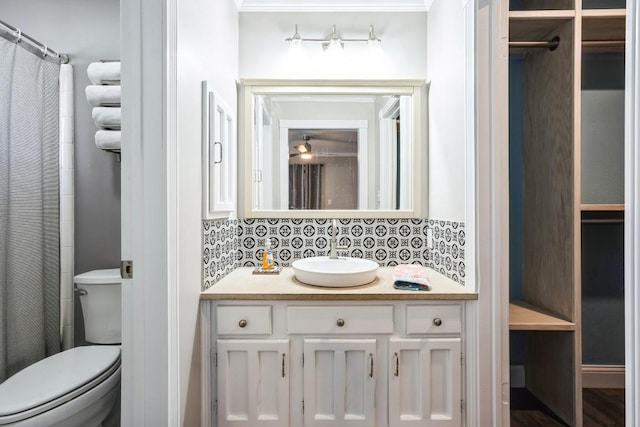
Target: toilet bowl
x,y
79,387
76,387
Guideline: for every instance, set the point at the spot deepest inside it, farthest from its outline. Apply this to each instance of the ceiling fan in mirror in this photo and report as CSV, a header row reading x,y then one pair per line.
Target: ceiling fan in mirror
x,y
303,149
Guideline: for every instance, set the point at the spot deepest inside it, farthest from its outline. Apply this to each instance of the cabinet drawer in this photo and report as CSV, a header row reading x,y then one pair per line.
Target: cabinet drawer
x,y
434,319
340,320
243,320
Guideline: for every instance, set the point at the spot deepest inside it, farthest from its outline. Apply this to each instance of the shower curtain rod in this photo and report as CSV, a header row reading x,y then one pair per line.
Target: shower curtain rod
x,y
33,46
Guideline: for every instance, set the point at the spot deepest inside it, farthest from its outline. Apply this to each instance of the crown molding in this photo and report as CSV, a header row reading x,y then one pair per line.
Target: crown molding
x,y
333,6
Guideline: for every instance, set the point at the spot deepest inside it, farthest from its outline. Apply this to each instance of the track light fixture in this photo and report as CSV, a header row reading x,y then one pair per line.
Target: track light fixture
x,y
333,42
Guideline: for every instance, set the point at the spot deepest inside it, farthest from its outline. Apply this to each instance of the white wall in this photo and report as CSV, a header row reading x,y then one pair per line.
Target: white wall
x,y
265,54
207,50
447,161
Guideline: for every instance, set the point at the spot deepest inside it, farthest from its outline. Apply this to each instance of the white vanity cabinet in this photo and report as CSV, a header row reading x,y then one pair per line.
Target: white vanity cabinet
x,y
334,363
342,347
425,372
424,382
253,382
252,369
339,382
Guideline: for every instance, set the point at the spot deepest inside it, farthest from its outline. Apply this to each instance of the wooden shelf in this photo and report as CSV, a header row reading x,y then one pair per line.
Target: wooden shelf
x,y
525,317
536,25
544,5
603,25
601,207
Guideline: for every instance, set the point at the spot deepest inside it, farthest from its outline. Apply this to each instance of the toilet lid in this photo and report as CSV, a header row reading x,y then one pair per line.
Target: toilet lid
x,y
54,377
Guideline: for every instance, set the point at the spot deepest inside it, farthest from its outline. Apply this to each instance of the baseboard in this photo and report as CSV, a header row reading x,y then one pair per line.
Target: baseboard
x,y
602,376
516,376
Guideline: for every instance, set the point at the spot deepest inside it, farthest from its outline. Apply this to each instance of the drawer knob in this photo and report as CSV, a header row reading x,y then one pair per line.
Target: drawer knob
x,y
242,323
340,322
437,321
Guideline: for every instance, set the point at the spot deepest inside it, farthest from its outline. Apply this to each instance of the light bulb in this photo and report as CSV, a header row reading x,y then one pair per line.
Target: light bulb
x,y
295,41
335,45
373,41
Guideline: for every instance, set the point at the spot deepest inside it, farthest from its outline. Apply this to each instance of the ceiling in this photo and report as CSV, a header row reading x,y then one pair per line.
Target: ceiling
x,y
326,142
333,5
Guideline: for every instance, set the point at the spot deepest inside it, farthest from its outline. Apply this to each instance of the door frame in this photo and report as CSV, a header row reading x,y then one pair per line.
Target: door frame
x,y
632,215
150,369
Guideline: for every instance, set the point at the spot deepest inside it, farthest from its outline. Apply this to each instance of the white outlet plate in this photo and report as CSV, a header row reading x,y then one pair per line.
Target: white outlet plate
x,y
429,238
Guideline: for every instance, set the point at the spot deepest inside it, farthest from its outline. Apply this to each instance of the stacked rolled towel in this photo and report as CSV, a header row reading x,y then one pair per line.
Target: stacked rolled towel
x,y
107,117
104,73
105,96
108,140
411,277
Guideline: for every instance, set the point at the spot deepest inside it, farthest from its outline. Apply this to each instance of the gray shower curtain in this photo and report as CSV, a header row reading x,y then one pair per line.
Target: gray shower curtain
x,y
29,208
305,186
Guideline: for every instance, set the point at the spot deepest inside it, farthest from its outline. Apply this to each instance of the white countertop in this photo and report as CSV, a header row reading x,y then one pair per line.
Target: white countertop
x,y
241,284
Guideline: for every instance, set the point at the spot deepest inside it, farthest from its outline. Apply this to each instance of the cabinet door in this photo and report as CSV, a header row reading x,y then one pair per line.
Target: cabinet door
x,y
424,382
339,382
253,383
219,155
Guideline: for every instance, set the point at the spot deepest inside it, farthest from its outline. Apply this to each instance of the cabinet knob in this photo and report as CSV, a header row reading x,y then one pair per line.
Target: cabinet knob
x,y
242,323
437,321
340,322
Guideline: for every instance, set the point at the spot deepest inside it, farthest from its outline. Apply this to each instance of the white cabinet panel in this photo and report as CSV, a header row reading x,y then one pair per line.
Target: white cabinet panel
x,y
243,320
424,382
434,319
253,383
218,155
339,382
340,320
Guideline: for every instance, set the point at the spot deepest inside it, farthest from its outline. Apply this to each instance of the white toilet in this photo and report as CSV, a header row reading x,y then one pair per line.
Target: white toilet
x,y
81,386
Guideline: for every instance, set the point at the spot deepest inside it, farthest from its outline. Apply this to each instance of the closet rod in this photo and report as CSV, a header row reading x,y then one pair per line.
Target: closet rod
x,y
551,44
604,43
603,221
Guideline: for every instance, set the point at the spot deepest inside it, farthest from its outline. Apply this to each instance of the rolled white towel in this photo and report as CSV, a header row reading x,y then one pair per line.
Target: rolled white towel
x,y
103,96
108,139
102,73
107,117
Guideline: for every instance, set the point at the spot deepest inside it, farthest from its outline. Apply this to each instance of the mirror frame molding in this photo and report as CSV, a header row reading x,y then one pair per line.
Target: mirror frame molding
x,y
250,87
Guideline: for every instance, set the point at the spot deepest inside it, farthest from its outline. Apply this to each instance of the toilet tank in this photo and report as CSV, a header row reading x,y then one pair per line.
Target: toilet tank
x,y
101,301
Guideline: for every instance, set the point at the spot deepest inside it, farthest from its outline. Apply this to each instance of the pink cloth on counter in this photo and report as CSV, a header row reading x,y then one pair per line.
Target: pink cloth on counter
x,y
413,273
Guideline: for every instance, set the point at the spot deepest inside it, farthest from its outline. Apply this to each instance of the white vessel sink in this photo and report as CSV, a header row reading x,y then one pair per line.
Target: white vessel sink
x,y
341,272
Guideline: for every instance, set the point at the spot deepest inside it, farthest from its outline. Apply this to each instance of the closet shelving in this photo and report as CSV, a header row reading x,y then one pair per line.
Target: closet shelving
x,y
550,310
603,30
525,317
612,207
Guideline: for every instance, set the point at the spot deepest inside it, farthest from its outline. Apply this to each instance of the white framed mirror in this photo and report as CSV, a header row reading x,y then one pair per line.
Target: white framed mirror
x,y
339,149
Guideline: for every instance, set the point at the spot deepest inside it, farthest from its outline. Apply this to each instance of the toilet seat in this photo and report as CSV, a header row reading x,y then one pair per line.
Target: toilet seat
x,y
56,380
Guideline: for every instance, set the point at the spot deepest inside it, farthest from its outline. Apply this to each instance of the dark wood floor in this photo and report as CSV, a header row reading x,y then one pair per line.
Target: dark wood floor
x,y
601,408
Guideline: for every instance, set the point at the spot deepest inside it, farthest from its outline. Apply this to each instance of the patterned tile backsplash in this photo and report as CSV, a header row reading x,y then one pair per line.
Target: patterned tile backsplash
x,y
219,250
229,244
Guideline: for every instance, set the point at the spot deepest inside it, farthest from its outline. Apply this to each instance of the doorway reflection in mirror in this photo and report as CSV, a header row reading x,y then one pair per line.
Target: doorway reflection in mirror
x,y
323,168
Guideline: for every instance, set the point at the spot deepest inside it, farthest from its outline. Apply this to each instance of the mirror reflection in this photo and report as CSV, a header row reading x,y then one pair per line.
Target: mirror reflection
x,y
332,152
323,169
